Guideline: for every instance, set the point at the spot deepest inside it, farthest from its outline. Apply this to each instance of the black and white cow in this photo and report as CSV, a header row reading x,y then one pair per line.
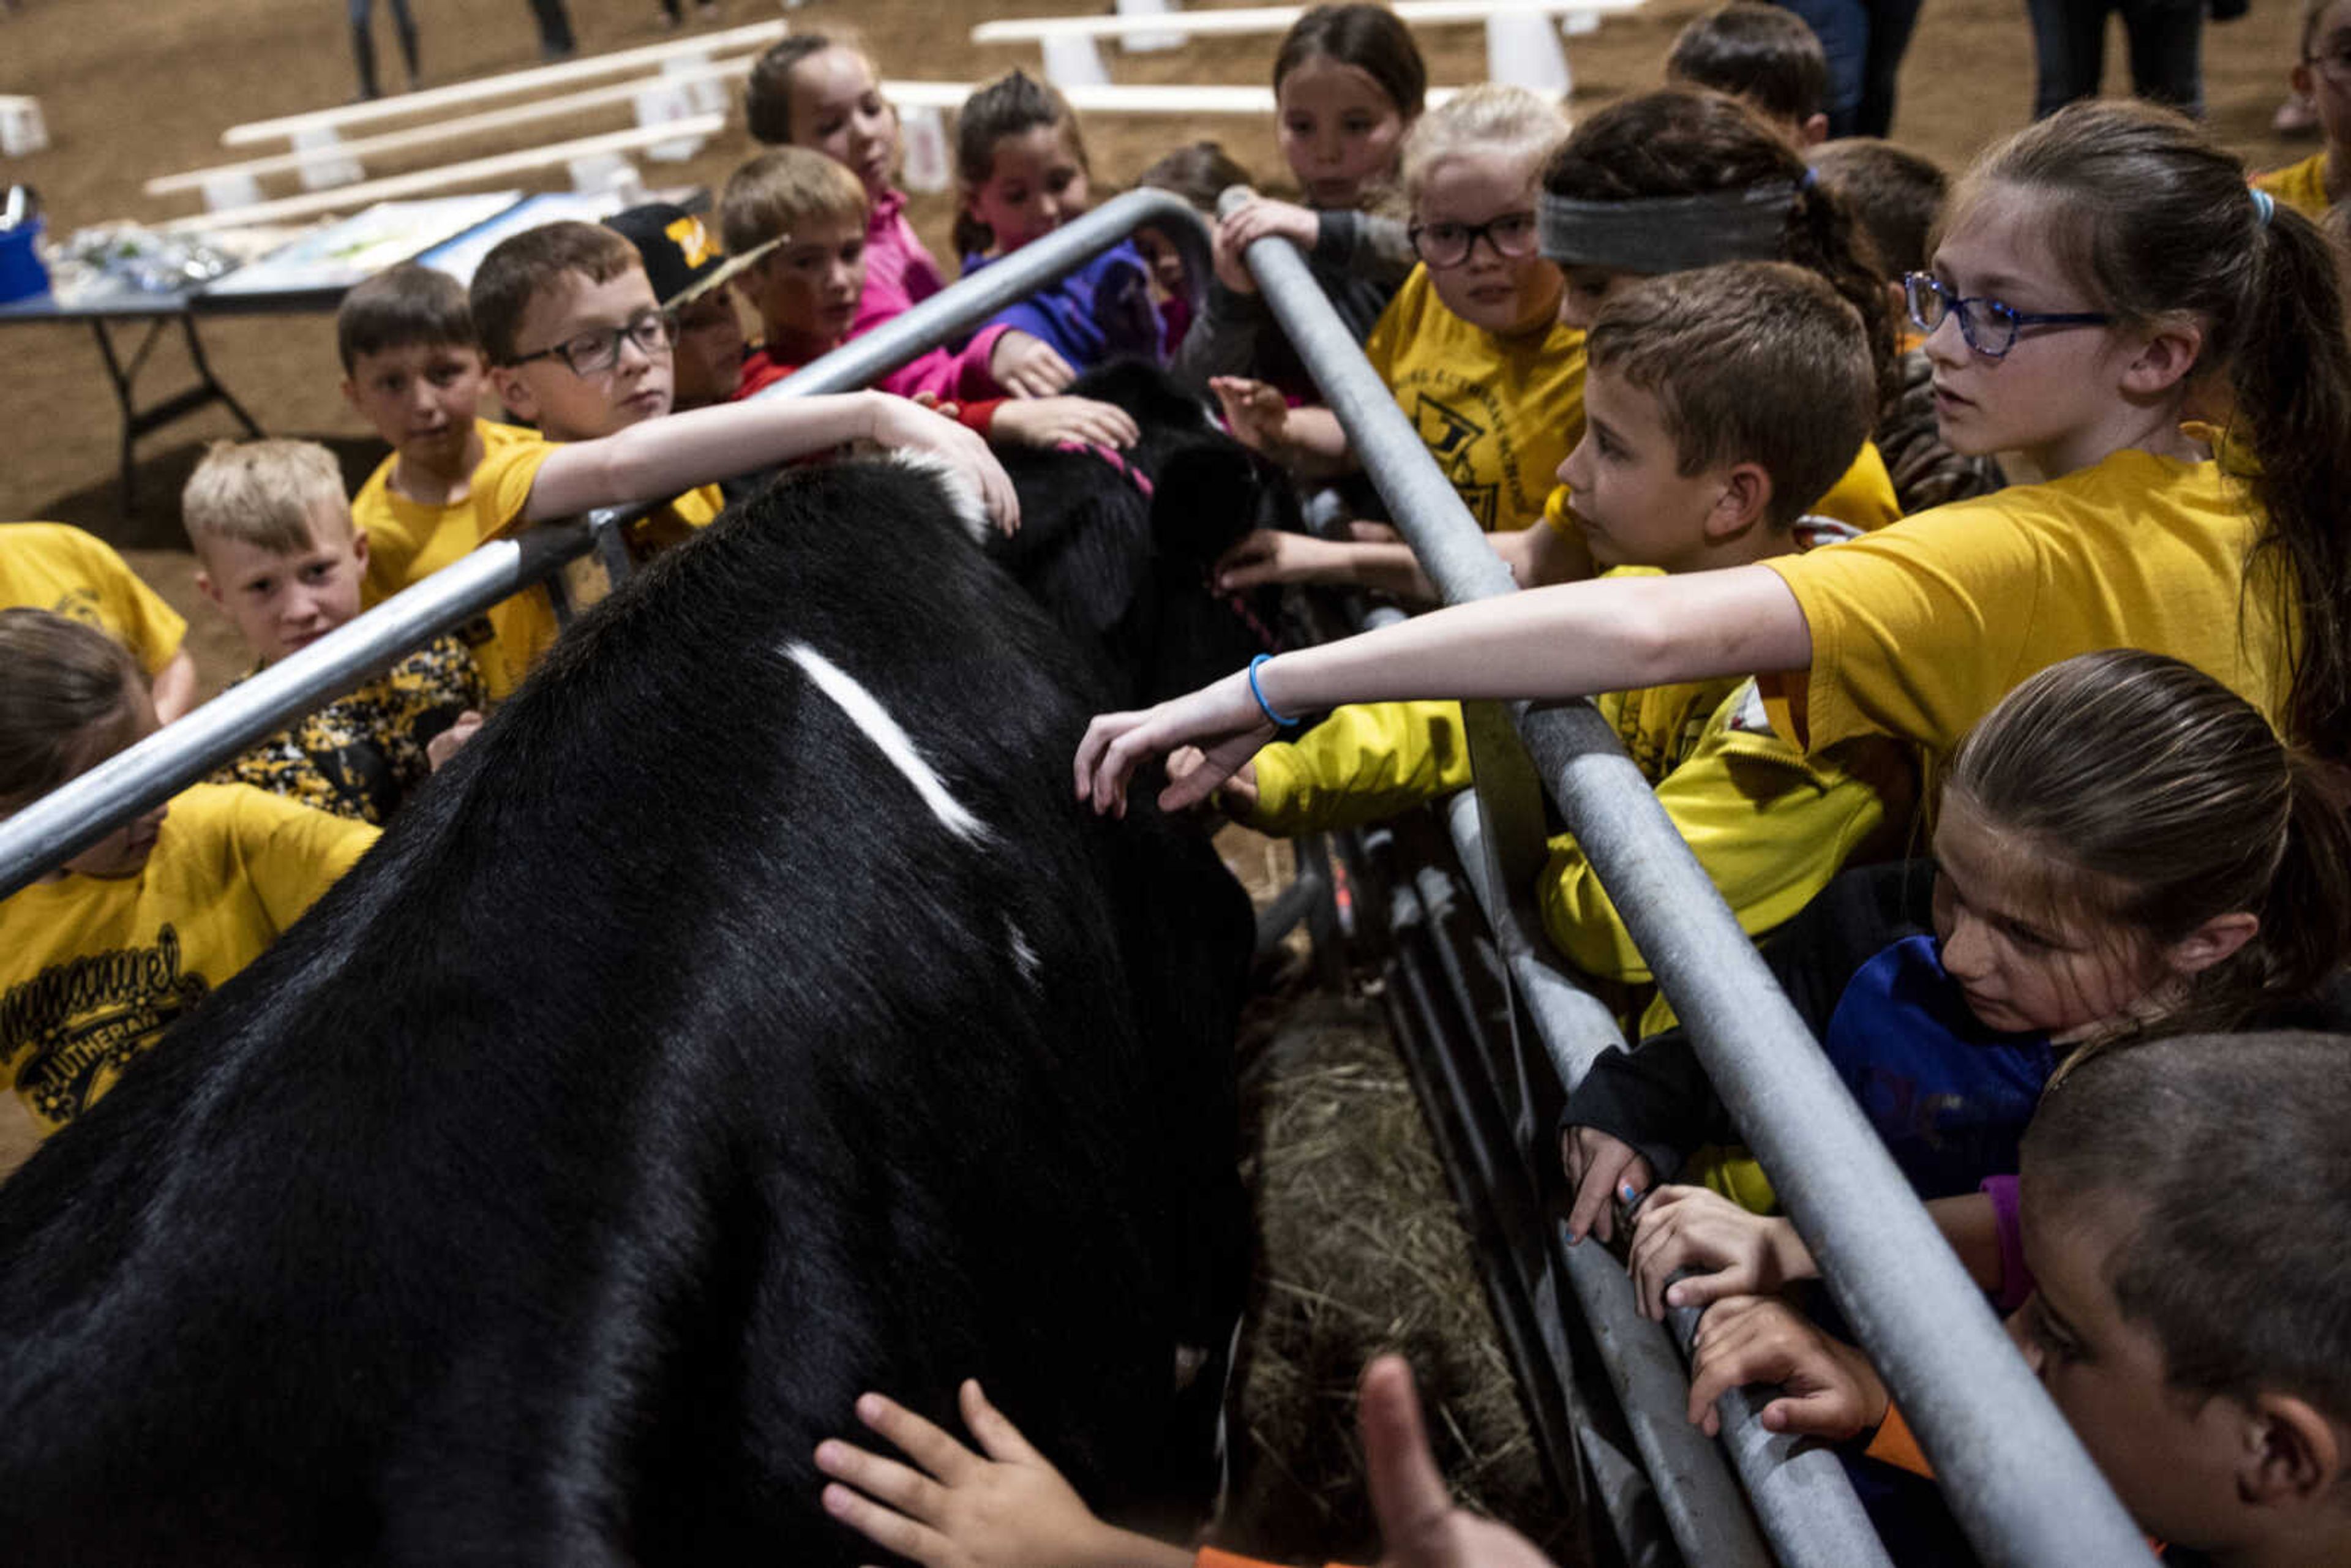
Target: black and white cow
x,y
1118,546
747,1019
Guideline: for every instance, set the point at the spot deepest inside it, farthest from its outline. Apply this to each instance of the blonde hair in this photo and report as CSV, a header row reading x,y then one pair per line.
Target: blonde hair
x,y
265,493
775,192
1507,122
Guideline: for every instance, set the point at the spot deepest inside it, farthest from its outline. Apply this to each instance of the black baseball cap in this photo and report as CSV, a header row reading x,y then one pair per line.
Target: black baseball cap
x,y
684,260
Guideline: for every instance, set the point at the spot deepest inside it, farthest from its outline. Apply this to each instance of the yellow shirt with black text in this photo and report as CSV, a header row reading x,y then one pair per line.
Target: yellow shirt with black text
x,y
1500,414
93,969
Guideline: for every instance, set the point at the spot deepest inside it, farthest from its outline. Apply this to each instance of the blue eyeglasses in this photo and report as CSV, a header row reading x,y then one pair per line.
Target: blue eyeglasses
x,y
1988,327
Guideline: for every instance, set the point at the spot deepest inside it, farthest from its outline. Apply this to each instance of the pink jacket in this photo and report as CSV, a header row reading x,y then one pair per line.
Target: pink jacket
x,y
899,274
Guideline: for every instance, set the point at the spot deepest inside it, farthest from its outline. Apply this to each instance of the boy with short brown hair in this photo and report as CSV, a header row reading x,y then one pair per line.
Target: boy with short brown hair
x,y
1767,57
281,557
577,343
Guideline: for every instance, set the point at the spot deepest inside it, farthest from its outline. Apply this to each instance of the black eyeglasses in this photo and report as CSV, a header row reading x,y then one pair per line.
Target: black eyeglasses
x,y
1988,327
1511,236
593,353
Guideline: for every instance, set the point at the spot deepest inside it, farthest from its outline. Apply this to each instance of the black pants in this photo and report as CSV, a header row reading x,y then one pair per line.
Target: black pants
x,y
2069,43
363,41
554,26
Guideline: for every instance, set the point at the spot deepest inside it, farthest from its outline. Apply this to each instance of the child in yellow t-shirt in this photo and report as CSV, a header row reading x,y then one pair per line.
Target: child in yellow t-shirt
x,y
100,955
55,567
1682,469
1471,345
1662,184
2322,75
2139,540
281,559
575,342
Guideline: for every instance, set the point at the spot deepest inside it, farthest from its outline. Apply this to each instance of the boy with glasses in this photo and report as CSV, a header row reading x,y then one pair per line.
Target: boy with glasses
x,y
577,344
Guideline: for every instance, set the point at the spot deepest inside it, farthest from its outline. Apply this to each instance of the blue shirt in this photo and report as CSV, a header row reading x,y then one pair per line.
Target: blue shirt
x,y
1101,312
1949,1096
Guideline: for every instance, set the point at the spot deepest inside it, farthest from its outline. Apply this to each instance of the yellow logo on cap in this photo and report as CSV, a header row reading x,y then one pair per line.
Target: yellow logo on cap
x,y
693,239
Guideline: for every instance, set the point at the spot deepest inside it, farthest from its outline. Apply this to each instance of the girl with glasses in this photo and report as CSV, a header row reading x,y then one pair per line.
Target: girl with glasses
x,y
2216,299
1471,346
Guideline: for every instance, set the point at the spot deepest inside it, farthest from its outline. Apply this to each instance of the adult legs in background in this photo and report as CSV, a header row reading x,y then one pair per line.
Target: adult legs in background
x,y
2069,45
406,24
1842,29
554,30
2166,39
1890,22
363,47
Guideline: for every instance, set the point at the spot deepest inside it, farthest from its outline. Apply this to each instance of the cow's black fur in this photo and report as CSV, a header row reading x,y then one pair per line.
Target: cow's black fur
x,y
1127,574
664,1078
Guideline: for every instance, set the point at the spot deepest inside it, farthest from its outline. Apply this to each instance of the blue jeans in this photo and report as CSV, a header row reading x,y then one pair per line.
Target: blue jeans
x,y
2069,45
1864,41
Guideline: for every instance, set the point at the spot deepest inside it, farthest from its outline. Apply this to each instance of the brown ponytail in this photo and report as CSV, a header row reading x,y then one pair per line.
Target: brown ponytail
x,y
66,681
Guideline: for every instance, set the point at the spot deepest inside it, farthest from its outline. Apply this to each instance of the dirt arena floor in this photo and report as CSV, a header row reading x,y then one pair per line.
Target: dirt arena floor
x,y
132,89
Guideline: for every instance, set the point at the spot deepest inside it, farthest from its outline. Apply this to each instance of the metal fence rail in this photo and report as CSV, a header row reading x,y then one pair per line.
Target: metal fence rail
x,y
84,810
2014,1474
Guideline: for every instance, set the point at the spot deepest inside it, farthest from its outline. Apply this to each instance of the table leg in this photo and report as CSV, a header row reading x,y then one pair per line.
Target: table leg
x,y
136,420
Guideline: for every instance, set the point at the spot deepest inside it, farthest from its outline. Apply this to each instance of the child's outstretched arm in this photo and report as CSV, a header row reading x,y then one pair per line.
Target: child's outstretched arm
x,y
665,457
1567,641
1006,1506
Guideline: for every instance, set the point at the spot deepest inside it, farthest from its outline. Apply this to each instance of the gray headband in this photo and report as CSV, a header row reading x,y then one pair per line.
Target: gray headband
x,y
1665,234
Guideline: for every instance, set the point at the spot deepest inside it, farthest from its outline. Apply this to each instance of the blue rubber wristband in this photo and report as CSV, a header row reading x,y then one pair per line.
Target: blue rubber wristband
x,y
1266,707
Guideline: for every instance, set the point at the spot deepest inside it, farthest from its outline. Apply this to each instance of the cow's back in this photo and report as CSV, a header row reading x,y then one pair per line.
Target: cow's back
x,y
697,1053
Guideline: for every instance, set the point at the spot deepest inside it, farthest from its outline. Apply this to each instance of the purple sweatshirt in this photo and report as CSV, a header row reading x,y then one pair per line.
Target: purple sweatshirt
x,y
899,274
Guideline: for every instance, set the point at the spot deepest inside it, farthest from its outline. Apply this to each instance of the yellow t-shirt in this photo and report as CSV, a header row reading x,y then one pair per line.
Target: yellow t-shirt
x,y
93,969
408,541
1500,414
1769,826
1863,498
54,567
1918,630
2301,186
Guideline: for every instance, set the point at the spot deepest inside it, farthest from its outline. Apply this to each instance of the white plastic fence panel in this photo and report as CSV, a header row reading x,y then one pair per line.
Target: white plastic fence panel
x,y
22,129
1143,42
324,165
1074,62
668,106
1523,49
922,139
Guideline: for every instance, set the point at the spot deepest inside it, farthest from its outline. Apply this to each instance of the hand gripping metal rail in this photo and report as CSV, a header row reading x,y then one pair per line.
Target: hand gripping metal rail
x,y
2014,1474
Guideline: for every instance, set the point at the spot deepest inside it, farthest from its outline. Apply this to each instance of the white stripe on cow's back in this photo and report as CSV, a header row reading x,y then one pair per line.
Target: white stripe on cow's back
x,y
866,712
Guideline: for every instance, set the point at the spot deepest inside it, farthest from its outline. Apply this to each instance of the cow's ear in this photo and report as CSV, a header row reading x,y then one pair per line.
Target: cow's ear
x,y
1206,497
